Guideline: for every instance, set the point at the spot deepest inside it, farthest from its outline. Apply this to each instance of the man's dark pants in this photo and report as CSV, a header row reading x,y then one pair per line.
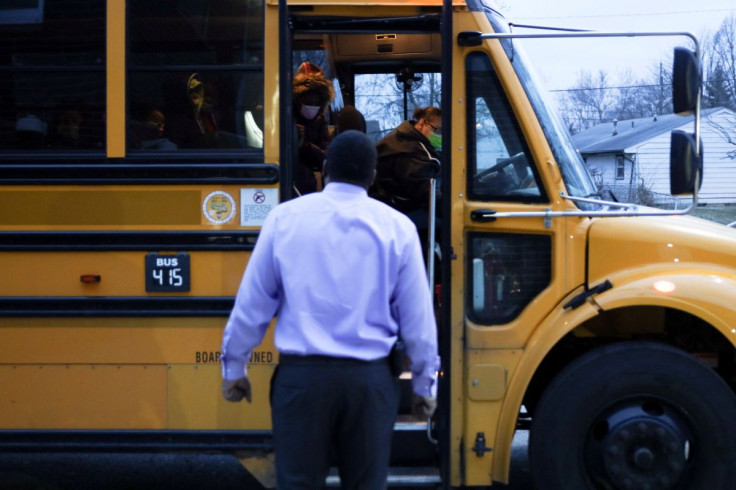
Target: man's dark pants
x,y
323,407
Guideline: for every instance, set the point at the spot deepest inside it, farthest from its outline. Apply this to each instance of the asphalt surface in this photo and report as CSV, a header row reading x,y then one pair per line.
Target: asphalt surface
x,y
143,471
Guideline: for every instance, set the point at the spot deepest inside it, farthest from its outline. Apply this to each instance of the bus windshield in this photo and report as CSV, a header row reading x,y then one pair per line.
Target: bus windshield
x,y
574,172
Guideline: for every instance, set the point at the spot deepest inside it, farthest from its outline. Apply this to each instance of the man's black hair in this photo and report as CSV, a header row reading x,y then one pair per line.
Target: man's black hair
x,y
351,158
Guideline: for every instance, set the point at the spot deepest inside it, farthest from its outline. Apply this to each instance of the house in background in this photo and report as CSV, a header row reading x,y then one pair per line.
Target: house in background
x,y
631,157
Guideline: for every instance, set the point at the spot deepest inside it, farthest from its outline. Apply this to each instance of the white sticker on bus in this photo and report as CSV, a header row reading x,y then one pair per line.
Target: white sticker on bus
x,y
255,205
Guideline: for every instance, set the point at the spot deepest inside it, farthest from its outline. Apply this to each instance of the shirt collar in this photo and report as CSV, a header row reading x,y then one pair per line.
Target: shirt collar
x,y
344,188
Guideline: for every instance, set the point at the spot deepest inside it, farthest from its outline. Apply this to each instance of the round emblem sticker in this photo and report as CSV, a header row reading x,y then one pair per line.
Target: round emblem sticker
x,y
218,207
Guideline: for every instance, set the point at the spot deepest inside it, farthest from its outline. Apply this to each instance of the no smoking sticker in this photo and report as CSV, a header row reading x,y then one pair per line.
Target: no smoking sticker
x,y
255,205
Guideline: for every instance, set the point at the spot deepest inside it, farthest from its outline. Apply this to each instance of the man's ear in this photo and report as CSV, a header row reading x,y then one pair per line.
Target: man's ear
x,y
373,179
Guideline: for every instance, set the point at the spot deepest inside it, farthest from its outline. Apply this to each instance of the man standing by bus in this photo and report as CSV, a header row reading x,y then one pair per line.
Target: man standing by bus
x,y
345,275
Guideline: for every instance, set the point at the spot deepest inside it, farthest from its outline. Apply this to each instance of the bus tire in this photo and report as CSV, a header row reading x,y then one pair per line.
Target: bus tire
x,y
635,415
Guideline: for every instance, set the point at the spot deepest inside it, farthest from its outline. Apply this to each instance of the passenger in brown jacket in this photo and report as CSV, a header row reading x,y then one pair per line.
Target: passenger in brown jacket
x,y
407,161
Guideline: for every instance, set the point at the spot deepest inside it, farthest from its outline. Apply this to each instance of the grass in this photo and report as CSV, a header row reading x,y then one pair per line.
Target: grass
x,y
720,213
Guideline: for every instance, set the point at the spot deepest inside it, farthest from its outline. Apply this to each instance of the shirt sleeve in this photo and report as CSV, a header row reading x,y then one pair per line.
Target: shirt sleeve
x,y
412,303
256,304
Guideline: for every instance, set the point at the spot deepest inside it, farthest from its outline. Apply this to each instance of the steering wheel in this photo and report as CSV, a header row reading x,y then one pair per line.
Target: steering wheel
x,y
500,183
512,160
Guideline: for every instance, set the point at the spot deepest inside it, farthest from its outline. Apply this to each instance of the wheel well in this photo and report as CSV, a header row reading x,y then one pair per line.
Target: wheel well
x,y
665,325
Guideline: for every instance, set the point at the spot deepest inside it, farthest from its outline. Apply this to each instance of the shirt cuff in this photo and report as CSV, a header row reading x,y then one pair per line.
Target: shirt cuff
x,y
425,383
233,370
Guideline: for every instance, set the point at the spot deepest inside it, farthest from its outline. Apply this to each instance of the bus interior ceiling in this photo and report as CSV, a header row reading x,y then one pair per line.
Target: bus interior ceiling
x,y
346,55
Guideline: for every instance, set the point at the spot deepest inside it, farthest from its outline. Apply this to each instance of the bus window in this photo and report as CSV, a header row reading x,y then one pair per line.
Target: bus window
x,y
195,75
385,102
499,164
52,81
507,271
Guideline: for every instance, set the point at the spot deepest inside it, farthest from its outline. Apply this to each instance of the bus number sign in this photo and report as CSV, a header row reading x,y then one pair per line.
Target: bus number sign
x,y
167,272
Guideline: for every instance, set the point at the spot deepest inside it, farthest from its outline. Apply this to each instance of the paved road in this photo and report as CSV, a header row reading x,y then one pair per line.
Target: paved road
x,y
82,471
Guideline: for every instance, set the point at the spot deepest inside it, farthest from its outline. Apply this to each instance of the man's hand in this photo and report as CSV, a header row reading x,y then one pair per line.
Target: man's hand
x,y
423,406
235,390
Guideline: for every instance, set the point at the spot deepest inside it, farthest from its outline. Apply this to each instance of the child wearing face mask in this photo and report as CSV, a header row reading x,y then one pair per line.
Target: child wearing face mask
x,y
312,93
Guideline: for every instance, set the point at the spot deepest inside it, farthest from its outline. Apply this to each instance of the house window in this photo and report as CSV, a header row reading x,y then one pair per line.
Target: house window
x,y
620,170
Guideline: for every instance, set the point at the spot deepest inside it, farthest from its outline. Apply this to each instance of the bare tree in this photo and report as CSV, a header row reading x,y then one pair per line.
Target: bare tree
x,y
628,98
720,66
381,98
720,77
589,102
655,96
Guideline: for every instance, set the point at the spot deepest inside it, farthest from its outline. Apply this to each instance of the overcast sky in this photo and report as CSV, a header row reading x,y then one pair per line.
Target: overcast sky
x,y
639,55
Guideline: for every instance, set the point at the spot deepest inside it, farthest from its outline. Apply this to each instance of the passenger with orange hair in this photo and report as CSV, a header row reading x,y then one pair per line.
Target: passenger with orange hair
x,y
312,94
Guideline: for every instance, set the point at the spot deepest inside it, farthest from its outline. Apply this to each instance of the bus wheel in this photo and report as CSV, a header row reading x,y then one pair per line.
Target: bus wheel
x,y
635,415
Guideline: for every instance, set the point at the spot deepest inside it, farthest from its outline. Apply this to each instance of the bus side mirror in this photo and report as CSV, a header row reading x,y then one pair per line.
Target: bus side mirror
x,y
686,81
686,165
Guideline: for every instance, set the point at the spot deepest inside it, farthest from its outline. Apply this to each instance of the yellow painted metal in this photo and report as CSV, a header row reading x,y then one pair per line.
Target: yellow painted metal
x,y
516,333
116,79
48,396
482,415
702,290
195,401
94,207
121,273
140,396
458,157
501,345
133,207
143,373
136,340
261,466
271,106
486,382
623,246
547,334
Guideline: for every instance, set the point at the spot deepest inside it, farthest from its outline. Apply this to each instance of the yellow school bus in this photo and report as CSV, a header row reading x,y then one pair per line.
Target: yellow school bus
x,y
143,142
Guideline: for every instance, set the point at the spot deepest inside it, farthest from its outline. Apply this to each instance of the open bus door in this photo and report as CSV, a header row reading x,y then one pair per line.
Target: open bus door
x,y
420,450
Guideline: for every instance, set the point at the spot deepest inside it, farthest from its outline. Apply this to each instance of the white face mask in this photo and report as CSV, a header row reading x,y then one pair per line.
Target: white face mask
x,y
309,111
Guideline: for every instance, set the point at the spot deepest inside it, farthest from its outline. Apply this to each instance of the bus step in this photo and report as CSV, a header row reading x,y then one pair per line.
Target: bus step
x,y
399,477
410,444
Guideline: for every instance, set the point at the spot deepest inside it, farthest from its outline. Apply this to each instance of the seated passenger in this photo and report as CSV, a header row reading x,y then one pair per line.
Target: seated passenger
x,y
30,132
146,128
312,94
190,121
66,133
407,161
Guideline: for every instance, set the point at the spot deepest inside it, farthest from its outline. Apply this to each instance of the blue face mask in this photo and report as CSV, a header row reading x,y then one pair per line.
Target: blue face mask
x,y
436,141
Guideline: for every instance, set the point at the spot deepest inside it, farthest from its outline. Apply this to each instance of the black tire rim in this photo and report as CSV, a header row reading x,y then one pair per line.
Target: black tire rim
x,y
640,443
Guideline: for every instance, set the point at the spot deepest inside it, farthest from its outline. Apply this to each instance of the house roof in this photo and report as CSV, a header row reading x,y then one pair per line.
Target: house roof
x,y
630,132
